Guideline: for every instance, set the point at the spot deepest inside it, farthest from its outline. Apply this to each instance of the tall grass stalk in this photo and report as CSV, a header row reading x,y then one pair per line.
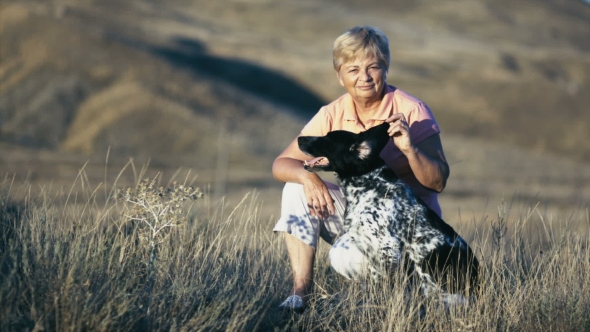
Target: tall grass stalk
x,y
79,266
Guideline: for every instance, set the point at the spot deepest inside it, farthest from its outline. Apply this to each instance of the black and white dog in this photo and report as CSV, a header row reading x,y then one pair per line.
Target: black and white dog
x,y
387,222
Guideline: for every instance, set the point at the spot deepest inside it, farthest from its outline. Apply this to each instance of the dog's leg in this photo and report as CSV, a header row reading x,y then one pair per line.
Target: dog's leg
x,y
347,259
390,251
427,285
445,274
356,261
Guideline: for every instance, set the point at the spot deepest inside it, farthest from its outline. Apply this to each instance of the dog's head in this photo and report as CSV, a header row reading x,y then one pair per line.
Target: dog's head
x,y
347,154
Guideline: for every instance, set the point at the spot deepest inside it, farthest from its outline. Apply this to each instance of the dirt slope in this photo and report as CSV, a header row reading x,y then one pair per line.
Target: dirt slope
x,y
222,87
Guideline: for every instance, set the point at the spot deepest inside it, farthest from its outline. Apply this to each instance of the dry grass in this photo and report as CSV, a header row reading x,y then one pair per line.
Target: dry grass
x,y
81,265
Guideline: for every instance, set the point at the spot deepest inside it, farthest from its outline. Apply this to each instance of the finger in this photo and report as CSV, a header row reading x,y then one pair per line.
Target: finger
x,y
322,207
312,209
330,204
394,129
399,126
394,117
317,207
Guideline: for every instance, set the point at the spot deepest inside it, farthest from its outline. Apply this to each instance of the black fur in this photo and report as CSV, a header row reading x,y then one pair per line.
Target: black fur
x,y
382,209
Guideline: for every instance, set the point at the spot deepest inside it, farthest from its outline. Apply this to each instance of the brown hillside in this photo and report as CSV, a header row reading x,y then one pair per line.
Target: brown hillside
x,y
225,85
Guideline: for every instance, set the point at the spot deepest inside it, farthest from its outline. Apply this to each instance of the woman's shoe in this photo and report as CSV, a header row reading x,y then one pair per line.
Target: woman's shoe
x,y
293,303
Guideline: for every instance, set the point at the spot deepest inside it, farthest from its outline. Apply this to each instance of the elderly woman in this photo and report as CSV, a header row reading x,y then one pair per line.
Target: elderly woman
x,y
312,208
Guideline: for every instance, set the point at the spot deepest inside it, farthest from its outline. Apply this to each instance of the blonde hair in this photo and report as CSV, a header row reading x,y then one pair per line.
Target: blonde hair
x,y
359,42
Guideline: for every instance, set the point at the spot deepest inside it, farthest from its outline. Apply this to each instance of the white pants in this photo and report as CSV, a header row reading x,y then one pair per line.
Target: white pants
x,y
296,220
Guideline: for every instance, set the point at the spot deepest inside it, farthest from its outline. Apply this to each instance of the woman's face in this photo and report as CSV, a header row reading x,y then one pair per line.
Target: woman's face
x,y
363,78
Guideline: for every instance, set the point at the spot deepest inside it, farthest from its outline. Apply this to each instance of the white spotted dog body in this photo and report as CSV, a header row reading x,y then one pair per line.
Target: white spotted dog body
x,y
386,222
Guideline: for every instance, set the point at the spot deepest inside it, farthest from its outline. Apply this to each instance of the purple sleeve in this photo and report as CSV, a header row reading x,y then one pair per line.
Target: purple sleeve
x,y
422,123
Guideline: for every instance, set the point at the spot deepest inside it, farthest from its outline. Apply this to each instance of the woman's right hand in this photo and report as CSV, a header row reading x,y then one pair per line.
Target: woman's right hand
x,y
319,200
288,167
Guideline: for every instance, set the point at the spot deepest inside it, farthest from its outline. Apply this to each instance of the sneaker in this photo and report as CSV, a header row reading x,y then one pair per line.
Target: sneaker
x,y
294,303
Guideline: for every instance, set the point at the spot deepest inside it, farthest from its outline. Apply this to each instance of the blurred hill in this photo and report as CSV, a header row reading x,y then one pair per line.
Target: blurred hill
x,y
224,86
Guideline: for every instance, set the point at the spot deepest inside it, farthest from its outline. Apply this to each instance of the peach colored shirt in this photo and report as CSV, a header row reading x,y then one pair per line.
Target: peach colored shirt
x,y
341,115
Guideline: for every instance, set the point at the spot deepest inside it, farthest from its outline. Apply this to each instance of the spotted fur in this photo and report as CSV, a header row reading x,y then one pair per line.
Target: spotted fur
x,y
389,224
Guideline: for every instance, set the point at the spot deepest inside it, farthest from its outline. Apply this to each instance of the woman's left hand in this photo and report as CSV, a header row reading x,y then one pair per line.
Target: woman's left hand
x,y
399,130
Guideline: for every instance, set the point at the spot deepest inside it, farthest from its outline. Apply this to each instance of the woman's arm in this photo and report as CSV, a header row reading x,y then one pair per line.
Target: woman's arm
x,y
428,163
426,158
288,167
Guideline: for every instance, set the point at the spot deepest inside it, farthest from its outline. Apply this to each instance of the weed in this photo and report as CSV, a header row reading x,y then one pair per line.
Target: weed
x,y
154,211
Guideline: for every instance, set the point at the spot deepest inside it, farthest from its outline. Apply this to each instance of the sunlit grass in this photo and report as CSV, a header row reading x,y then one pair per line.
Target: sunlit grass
x,y
78,265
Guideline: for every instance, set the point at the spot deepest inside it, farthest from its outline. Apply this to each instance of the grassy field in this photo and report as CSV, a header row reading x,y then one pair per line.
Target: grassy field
x,y
148,258
222,87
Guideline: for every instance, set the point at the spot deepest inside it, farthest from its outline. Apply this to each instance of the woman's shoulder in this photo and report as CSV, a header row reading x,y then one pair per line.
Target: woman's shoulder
x,y
411,106
404,97
338,104
323,120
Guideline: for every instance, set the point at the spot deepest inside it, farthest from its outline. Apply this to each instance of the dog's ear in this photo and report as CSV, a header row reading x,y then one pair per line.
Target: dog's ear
x,y
373,139
364,149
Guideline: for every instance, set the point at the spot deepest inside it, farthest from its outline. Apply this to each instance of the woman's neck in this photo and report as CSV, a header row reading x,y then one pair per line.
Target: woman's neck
x,y
365,109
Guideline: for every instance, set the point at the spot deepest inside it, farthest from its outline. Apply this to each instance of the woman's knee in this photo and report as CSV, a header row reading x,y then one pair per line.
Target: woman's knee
x,y
293,193
291,188
293,200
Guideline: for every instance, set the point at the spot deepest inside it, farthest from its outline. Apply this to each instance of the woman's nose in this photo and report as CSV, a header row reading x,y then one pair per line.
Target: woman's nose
x,y
365,75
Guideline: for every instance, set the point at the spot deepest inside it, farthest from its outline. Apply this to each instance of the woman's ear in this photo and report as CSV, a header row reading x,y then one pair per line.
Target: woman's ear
x,y
339,78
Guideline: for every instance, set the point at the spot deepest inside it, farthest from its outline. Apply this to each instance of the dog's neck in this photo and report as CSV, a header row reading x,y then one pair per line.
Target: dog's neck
x,y
382,172
360,170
